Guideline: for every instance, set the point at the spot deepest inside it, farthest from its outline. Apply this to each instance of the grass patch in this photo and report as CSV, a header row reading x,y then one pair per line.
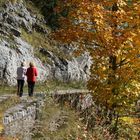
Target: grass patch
x,y
35,39
70,130
39,40
44,87
5,89
34,10
58,85
5,1
2,2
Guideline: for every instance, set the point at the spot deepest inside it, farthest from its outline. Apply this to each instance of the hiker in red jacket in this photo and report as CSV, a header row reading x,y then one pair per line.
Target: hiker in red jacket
x,y
31,78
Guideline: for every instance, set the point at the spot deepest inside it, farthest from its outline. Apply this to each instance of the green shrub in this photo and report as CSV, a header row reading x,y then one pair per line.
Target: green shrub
x,y
13,1
2,2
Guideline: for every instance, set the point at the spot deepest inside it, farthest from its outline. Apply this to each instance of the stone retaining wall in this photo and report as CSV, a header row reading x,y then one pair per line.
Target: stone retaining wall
x,y
79,99
20,119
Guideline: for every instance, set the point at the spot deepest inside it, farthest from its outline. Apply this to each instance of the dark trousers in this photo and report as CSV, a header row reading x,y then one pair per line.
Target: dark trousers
x,y
20,87
31,88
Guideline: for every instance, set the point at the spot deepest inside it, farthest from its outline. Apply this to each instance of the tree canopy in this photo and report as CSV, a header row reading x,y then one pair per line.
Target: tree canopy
x,y
110,31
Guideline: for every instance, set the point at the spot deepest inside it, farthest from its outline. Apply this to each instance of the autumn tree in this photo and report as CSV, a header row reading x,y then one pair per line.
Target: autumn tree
x,y
110,31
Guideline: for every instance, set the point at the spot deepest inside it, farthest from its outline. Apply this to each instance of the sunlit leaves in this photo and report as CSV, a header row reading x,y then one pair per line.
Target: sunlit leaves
x,y
110,31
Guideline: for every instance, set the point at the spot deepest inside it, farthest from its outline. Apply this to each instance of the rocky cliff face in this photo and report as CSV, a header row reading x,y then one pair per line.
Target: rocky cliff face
x,y
13,49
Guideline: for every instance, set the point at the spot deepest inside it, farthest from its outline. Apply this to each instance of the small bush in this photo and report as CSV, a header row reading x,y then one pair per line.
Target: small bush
x,y
13,1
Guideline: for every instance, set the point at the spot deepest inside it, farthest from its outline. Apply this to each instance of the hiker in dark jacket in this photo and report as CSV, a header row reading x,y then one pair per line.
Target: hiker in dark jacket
x,y
31,78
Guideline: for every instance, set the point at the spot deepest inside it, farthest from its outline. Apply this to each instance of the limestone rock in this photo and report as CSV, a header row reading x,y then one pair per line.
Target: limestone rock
x,y
77,69
13,49
11,59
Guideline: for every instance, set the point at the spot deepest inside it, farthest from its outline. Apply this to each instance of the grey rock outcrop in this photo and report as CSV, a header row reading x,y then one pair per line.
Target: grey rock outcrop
x,y
11,59
76,69
17,15
14,16
13,49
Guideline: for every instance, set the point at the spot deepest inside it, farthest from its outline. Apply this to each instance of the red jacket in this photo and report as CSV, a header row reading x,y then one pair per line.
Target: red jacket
x,y
31,74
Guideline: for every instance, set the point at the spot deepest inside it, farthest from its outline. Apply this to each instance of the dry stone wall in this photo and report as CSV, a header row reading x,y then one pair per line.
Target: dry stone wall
x,y
79,99
20,119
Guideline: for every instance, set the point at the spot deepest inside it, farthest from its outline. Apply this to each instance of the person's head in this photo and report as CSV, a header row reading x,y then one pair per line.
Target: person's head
x,y
31,64
22,64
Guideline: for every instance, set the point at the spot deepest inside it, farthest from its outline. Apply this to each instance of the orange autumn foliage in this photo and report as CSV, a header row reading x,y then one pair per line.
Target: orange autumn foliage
x,y
110,32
